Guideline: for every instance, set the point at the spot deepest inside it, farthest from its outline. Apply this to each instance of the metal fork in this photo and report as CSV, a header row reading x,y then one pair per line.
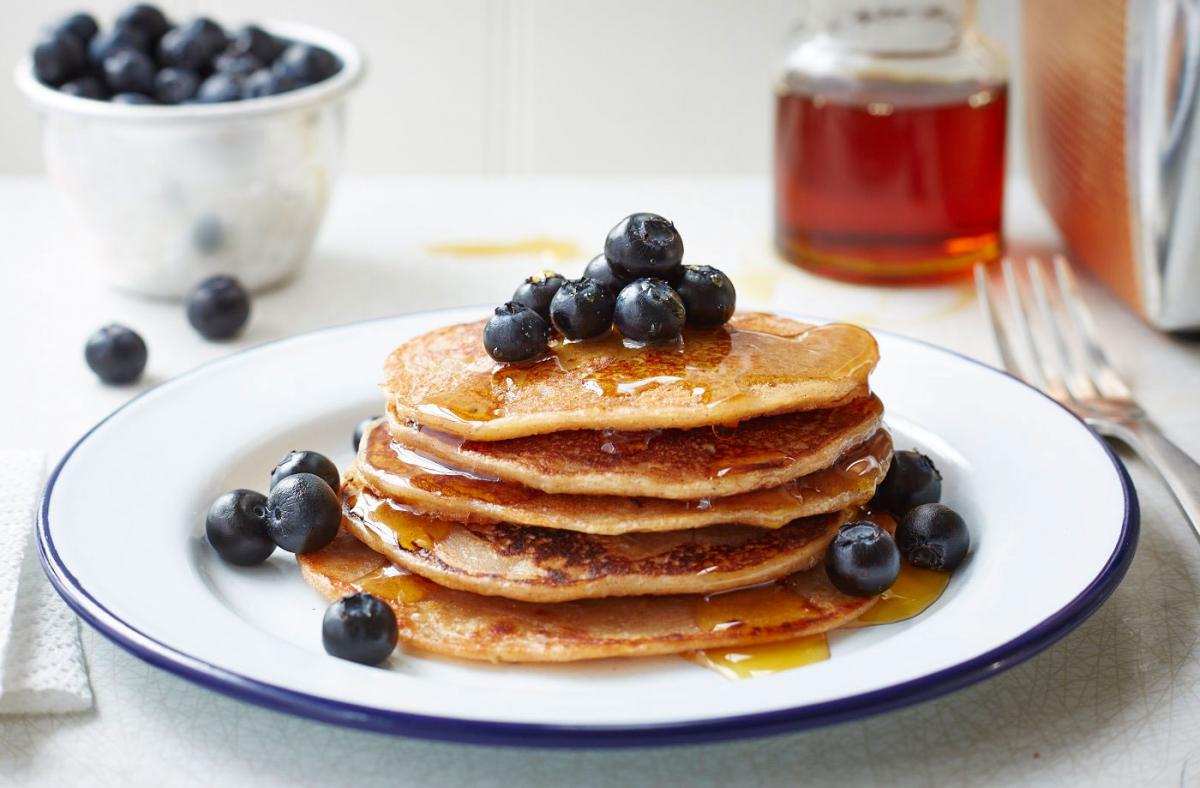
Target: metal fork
x,y
1061,354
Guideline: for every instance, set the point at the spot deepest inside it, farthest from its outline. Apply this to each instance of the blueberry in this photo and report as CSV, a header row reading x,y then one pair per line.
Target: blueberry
x,y
129,71
116,354
862,560
146,19
253,40
218,307
648,310
911,481
87,87
303,513
175,85
241,65
707,294
208,235
109,42
236,527
306,64
360,628
266,82
132,98
537,291
515,333
933,536
361,428
602,272
81,25
644,244
191,46
307,462
219,88
583,309
57,57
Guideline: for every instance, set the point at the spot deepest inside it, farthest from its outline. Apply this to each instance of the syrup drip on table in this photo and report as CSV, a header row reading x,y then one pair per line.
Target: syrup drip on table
x,y
711,366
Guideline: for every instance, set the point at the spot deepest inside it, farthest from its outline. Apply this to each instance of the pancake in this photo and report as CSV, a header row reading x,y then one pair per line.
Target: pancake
x,y
679,464
755,365
551,565
428,486
461,624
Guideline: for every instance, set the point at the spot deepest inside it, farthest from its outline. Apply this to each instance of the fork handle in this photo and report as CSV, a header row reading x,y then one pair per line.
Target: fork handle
x,y
1178,470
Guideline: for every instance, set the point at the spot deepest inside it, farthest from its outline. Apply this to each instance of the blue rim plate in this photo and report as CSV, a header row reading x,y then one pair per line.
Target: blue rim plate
x,y
1003,478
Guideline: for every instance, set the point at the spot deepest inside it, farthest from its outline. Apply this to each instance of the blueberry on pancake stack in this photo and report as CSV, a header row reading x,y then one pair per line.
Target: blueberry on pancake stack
x,y
617,465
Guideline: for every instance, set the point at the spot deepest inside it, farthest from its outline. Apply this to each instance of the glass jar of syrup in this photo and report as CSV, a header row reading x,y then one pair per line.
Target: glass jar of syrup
x,y
889,141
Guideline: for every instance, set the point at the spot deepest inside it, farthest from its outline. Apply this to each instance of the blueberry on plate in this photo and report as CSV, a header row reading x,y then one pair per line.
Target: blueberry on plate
x,y
599,269
306,64
253,40
116,354
242,65
220,87
109,42
361,428
933,536
81,25
649,310
57,57
87,87
360,628
583,309
644,245
129,71
862,560
707,294
146,19
218,307
208,31
175,85
537,291
266,82
236,527
307,462
515,333
303,513
132,98
911,481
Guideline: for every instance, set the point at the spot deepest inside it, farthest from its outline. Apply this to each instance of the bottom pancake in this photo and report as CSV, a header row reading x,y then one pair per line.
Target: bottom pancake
x,y
471,626
552,565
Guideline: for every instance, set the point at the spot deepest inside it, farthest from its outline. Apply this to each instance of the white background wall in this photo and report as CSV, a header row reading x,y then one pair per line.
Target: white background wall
x,y
522,86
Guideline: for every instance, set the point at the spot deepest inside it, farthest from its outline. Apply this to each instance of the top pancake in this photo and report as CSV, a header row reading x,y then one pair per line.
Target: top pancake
x,y
757,364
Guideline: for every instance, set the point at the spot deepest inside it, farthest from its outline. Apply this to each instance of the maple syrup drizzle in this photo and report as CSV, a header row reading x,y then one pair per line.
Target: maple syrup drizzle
x,y
712,365
400,526
392,582
748,662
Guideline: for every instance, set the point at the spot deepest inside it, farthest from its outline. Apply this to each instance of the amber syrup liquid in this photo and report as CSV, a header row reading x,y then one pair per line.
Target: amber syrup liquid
x,y
902,182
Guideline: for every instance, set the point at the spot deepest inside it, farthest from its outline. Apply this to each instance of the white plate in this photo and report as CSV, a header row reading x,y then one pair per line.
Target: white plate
x,y
1053,520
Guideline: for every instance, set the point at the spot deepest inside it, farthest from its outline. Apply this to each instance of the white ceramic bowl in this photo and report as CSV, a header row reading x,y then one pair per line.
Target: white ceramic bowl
x,y
167,195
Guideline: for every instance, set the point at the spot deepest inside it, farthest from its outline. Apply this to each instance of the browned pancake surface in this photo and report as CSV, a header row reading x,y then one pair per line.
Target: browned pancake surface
x,y
681,464
755,365
429,486
461,624
551,565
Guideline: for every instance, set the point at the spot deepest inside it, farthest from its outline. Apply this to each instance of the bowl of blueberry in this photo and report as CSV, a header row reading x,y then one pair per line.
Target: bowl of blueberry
x,y
184,148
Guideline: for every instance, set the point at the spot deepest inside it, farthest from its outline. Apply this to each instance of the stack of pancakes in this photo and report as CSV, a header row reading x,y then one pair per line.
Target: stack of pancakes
x,y
612,500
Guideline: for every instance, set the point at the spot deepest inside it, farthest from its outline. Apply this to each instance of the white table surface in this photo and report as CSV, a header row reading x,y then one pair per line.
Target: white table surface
x,y
1117,701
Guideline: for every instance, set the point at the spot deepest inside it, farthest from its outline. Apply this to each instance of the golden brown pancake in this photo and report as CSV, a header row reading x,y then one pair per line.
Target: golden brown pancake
x,y
755,365
707,462
472,626
552,565
429,486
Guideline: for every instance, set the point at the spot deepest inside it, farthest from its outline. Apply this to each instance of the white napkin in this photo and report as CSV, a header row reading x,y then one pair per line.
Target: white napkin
x,y
41,662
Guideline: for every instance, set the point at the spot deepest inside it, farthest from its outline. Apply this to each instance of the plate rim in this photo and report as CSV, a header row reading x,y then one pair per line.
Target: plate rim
x,y
490,732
